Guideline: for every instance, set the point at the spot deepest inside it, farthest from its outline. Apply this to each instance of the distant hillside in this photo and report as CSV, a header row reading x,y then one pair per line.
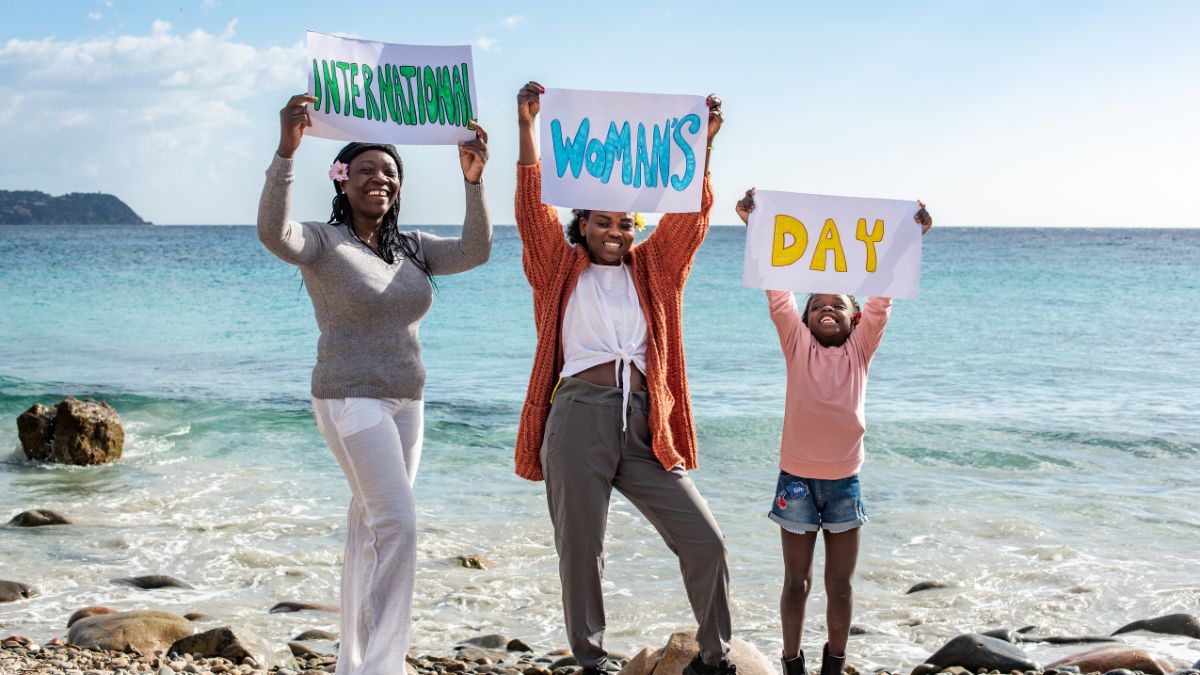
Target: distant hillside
x,y
28,207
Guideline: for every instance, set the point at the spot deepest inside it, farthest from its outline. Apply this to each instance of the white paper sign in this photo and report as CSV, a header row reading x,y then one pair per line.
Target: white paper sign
x,y
386,93
623,152
822,244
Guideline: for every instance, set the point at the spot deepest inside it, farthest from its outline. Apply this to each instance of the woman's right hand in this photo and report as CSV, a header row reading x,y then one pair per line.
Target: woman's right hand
x,y
529,102
293,118
744,206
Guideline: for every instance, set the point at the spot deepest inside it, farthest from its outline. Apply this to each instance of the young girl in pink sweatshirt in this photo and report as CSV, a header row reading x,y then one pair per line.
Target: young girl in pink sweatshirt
x,y
828,345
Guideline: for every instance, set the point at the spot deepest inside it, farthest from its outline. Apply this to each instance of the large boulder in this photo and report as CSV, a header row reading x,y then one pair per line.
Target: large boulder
x,y
1115,657
84,613
74,432
1171,624
234,643
147,630
681,648
974,651
38,518
11,591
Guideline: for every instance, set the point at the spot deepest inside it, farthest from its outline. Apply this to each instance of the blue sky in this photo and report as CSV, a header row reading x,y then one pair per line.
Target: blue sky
x,y
996,113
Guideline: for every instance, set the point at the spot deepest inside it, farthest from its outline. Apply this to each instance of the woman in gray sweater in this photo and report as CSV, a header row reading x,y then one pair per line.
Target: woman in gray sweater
x,y
370,285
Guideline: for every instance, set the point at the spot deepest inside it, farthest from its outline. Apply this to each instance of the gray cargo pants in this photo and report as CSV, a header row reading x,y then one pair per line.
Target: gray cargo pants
x,y
584,456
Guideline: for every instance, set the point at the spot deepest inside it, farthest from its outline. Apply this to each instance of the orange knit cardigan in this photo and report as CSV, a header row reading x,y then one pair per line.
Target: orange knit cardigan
x,y
660,267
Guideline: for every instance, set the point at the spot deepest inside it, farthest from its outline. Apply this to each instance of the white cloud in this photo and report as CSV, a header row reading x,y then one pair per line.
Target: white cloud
x,y
95,16
487,44
513,21
157,111
230,29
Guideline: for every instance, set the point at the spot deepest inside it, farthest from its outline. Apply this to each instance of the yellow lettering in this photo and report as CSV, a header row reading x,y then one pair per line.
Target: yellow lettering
x,y
828,241
782,253
869,240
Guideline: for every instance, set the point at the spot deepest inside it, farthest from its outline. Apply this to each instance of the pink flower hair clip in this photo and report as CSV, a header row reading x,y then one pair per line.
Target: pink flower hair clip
x,y
339,172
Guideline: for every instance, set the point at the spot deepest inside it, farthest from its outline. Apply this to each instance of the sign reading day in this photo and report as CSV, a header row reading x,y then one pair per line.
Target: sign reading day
x,y
618,151
821,244
386,93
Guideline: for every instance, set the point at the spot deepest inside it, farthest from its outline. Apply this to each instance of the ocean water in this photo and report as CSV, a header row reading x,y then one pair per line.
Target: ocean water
x,y
1034,441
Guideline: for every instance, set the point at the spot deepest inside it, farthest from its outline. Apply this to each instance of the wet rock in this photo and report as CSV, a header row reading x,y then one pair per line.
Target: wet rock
x,y
473,561
564,662
480,656
974,651
315,634
1007,634
1171,624
1067,639
75,432
284,607
11,591
38,518
152,581
147,631
517,645
928,585
195,617
681,648
235,643
1115,657
926,669
86,612
300,648
490,641
1120,671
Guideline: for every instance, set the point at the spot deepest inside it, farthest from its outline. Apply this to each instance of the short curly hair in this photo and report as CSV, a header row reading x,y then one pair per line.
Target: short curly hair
x,y
574,228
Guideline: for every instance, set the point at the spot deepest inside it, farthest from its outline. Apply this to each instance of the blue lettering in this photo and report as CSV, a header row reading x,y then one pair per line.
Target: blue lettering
x,y
571,151
643,162
595,159
616,147
689,172
661,153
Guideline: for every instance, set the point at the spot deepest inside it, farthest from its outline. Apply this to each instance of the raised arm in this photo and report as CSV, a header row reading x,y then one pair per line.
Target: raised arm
x,y
674,243
786,317
543,244
451,255
869,332
291,241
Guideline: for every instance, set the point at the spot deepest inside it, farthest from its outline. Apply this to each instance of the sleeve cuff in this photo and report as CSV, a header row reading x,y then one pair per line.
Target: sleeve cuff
x,y
282,167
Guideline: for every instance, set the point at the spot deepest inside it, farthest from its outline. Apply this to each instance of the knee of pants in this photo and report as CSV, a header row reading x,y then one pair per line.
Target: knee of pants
x,y
397,524
709,543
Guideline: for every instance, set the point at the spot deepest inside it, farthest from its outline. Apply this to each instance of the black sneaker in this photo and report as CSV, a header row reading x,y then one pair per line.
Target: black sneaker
x,y
699,667
794,666
832,665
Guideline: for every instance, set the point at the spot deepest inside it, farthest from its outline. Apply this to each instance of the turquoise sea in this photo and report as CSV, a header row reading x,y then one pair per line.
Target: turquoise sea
x,y
1034,441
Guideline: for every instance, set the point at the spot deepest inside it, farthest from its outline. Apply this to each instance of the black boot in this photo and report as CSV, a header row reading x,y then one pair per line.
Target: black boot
x,y
794,666
699,667
831,665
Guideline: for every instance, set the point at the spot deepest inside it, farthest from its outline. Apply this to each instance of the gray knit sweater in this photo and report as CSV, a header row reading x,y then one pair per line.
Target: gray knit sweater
x,y
368,311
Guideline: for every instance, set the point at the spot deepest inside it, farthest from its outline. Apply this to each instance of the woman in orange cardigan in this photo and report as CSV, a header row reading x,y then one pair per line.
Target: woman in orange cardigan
x,y
607,405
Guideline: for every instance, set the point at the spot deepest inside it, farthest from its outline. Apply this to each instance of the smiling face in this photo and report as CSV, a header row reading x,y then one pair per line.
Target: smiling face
x,y
830,318
608,235
373,186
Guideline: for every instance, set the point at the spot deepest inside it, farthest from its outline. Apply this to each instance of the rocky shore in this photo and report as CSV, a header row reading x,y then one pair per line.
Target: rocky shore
x,y
234,651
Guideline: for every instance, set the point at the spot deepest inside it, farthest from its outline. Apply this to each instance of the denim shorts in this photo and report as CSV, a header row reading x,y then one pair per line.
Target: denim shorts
x,y
809,504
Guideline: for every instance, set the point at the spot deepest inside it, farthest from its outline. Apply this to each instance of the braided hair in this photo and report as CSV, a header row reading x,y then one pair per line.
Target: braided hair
x,y
574,228
393,244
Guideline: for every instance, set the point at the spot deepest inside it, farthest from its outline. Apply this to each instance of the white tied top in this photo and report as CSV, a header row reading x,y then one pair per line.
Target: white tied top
x,y
604,322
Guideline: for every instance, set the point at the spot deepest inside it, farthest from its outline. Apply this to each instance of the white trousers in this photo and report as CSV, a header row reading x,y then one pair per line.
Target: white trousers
x,y
377,442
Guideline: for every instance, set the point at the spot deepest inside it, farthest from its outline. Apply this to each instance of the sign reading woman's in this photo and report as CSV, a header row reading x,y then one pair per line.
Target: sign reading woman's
x,y
388,93
815,243
616,151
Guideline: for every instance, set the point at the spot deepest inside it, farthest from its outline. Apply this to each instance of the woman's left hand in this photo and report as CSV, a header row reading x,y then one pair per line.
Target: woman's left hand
x,y
923,218
715,117
744,206
473,155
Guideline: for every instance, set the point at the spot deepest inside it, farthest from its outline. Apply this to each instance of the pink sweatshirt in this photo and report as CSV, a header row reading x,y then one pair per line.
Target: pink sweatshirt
x,y
824,421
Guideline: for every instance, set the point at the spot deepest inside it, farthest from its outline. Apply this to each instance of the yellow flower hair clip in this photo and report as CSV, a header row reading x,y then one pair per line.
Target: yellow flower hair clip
x,y
639,221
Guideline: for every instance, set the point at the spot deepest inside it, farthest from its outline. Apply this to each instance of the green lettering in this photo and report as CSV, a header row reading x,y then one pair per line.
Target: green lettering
x,y
387,100
462,95
316,86
410,106
358,112
421,95
345,68
372,105
447,110
430,94
332,96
